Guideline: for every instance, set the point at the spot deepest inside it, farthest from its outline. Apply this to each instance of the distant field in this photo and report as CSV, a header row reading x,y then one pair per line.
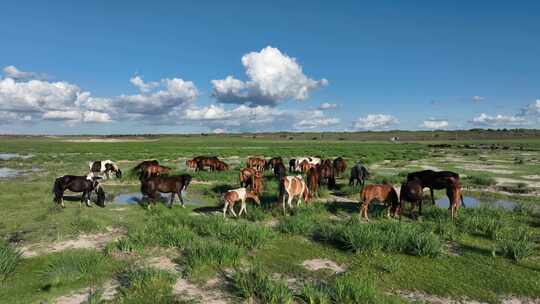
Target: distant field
x,y
321,253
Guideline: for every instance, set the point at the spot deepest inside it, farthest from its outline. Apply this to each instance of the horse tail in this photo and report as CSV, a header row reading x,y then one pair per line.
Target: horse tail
x,y
57,189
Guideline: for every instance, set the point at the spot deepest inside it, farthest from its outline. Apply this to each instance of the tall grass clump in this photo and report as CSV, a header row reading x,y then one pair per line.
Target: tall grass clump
x,y
352,289
254,283
73,265
516,244
206,254
305,220
485,221
82,224
9,258
311,293
146,285
480,180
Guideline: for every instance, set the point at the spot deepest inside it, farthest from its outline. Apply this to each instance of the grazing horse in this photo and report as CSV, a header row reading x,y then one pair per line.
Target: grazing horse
x,y
165,184
312,177
105,166
339,165
85,184
220,166
305,166
155,170
455,199
293,186
411,191
359,174
311,160
383,193
240,194
209,161
280,171
249,177
273,162
141,167
326,174
435,180
292,165
191,164
255,162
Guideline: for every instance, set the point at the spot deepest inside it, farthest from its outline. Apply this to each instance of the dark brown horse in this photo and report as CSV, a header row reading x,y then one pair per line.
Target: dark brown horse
x,y
273,162
155,170
359,174
412,192
280,171
165,184
85,184
327,175
312,177
435,180
292,165
339,165
245,176
212,162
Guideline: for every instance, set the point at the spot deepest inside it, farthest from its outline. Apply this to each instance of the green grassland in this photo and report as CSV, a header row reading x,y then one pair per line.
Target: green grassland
x,y
488,254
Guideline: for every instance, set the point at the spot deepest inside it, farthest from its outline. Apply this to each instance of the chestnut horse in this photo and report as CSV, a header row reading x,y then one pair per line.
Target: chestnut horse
x,y
141,167
273,162
312,177
249,177
191,164
240,194
293,186
339,165
255,162
166,184
381,192
155,170
327,175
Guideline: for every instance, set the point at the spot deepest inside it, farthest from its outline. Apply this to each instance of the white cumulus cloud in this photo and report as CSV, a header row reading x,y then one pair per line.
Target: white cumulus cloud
x,y
315,120
435,124
143,86
375,122
272,78
13,72
327,106
489,120
477,98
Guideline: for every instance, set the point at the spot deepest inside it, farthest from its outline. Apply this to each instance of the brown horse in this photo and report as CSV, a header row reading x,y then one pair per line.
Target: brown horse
x,y
220,166
255,162
191,164
435,180
166,184
312,177
455,199
412,192
155,170
327,175
280,171
305,166
293,186
383,193
141,167
250,177
339,166
240,194
206,161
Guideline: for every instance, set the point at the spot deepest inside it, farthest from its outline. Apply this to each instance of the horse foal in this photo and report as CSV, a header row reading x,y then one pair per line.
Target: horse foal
x,y
240,194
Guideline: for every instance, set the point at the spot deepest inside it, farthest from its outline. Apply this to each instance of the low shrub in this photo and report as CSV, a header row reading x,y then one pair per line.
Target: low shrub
x,y
146,285
257,284
516,244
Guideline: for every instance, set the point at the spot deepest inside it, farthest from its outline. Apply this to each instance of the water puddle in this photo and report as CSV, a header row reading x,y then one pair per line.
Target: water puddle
x,y
473,202
9,173
8,156
135,198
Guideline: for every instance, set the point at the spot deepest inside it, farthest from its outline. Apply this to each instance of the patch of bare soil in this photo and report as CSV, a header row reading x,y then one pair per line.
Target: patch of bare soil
x,y
517,300
210,293
492,169
93,241
316,264
535,176
108,291
504,180
418,296
454,249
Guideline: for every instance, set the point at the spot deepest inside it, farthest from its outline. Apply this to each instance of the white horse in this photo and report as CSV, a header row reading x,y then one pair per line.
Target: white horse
x,y
105,166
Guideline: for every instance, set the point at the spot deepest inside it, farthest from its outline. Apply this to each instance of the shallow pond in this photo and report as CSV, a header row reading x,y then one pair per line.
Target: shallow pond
x,y
9,173
473,202
135,198
8,156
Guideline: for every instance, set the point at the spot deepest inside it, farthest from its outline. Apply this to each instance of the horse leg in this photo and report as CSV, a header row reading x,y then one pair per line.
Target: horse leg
x,y
432,198
242,207
225,206
284,211
420,207
289,201
232,210
181,198
171,200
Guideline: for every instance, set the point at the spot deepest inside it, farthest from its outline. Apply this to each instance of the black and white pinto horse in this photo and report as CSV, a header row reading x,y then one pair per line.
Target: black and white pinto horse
x,y
85,184
105,166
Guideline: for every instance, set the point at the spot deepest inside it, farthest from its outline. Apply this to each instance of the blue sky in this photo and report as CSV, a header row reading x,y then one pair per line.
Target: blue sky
x,y
140,67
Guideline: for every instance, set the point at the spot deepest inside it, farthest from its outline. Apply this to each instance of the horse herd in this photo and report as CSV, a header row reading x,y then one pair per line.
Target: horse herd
x,y
301,180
